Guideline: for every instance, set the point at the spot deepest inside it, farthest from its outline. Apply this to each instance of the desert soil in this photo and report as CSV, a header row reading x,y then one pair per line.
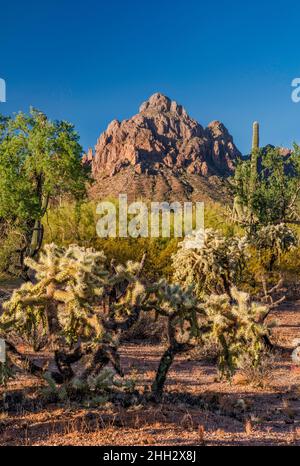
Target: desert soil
x,y
197,409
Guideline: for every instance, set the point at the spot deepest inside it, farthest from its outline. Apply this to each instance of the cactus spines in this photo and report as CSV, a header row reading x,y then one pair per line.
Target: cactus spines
x,y
255,136
212,268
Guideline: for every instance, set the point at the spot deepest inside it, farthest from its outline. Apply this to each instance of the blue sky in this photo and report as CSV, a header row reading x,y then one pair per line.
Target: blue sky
x,y
92,61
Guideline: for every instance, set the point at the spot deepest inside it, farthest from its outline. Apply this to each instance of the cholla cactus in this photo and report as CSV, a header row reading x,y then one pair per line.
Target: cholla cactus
x,y
83,307
77,302
69,283
271,242
238,326
278,238
212,268
180,306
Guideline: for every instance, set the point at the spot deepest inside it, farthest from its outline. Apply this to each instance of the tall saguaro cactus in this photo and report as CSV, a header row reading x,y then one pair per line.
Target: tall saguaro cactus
x,y
255,137
254,157
240,208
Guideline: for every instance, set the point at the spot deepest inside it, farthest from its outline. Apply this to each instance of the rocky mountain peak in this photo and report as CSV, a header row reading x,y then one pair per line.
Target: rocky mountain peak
x,y
161,103
163,139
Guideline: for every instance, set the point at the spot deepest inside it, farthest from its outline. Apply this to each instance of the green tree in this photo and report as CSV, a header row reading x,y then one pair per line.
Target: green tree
x,y
275,198
40,160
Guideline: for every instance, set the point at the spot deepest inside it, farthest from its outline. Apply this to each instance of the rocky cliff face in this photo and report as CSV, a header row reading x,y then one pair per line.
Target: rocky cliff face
x,y
162,153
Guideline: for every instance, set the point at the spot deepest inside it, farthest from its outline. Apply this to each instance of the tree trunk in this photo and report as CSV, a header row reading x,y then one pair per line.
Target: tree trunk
x,y
167,359
162,372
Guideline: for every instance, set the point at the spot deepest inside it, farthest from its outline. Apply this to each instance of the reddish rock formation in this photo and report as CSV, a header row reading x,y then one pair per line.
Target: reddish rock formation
x,y
88,157
162,153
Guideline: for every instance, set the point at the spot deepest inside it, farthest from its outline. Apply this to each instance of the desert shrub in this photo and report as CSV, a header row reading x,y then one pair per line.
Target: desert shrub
x,y
209,351
217,217
95,390
258,374
11,243
69,222
272,256
64,225
147,328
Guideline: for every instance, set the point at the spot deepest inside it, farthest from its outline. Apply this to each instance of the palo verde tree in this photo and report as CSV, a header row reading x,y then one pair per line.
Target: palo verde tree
x,y
266,191
269,190
40,160
270,206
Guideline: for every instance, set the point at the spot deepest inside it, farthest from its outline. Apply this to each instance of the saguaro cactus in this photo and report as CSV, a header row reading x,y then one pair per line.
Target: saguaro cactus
x,y
241,210
254,157
255,137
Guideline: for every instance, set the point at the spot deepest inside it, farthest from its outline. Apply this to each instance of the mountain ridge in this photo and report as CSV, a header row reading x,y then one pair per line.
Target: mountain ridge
x,y
162,153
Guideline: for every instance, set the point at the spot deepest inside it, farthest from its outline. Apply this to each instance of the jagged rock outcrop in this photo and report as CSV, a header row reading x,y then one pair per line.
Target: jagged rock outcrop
x,y
88,157
162,153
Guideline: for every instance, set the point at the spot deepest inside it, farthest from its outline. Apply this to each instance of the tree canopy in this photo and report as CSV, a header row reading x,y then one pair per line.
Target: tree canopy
x,y
268,191
40,160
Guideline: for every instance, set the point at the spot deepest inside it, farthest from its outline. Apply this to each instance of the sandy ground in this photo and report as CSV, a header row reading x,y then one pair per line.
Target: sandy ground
x,y
197,408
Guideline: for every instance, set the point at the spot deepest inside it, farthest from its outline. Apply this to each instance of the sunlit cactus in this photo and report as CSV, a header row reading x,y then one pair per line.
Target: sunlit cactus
x,y
278,238
254,156
77,305
82,306
271,242
255,136
213,268
236,324
69,282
